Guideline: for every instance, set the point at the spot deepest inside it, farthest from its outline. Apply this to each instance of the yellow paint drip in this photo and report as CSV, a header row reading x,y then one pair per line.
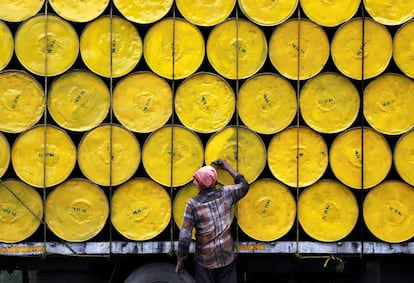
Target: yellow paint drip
x,y
237,48
204,103
110,46
7,45
174,146
403,48
388,211
347,162
239,146
329,103
19,218
79,10
390,12
22,101
78,100
267,103
327,211
4,154
141,209
43,156
60,45
404,157
143,12
268,211
310,50
76,210
142,102
205,13
268,13
17,11
348,51
109,154
297,156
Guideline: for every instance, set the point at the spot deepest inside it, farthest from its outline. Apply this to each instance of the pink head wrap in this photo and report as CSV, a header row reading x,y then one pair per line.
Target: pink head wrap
x,y
205,177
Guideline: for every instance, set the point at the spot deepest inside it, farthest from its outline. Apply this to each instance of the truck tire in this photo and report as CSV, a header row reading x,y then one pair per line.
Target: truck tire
x,y
159,272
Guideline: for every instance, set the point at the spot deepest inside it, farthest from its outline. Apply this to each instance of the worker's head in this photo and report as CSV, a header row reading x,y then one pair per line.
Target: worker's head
x,y
205,177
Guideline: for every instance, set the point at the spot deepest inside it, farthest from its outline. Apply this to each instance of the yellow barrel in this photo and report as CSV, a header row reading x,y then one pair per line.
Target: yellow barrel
x,y
180,200
172,154
329,103
110,46
298,59
205,13
4,154
204,102
404,48
390,13
46,54
237,48
350,55
21,211
7,46
239,146
143,12
76,210
17,11
404,157
388,211
297,156
268,13
268,210
109,154
388,104
174,48
140,209
22,101
351,160
267,103
327,211
79,10
78,100
142,102
330,13
43,156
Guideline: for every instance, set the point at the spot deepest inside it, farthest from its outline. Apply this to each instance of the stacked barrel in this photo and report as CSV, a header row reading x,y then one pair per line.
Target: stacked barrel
x,y
109,107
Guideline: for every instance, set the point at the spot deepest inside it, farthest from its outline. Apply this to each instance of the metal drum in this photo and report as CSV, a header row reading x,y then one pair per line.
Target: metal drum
x,y
205,13
79,10
17,11
143,12
4,154
400,11
7,46
403,48
268,13
404,157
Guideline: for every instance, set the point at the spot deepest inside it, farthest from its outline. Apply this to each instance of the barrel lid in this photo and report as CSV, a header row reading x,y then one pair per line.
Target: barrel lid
x,y
330,13
403,48
205,13
268,210
22,101
346,48
329,103
7,46
384,13
268,13
140,209
172,150
76,210
204,102
4,154
388,210
143,12
40,146
404,157
79,10
78,100
327,211
388,103
286,52
20,217
142,102
239,146
62,45
17,11
297,146
99,144
106,58
189,48
267,103
345,157
237,48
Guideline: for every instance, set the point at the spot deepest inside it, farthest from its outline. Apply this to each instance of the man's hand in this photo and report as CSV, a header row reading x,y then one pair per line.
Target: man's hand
x,y
180,265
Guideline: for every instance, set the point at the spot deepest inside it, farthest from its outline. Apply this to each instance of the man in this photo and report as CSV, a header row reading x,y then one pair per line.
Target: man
x,y
210,213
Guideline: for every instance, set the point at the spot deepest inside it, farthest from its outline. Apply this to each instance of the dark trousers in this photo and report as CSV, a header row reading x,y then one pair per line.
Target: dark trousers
x,y
225,274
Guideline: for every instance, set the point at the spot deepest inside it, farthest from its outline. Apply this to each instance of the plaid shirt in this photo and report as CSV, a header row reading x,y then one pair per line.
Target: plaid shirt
x,y
210,213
